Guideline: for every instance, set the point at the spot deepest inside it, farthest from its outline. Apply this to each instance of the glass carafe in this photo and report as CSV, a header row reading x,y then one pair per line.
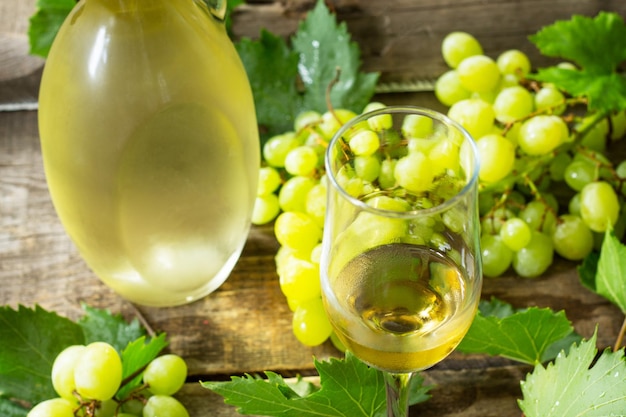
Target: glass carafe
x,y
150,145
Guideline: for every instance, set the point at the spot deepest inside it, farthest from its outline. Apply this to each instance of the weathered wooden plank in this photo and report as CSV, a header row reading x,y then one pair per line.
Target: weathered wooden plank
x,y
245,325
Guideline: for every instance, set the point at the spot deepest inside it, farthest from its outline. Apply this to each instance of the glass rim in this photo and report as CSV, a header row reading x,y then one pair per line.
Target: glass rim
x,y
408,109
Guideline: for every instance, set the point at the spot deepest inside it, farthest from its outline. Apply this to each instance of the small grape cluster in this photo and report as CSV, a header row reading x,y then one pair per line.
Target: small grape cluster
x,y
88,377
547,185
292,191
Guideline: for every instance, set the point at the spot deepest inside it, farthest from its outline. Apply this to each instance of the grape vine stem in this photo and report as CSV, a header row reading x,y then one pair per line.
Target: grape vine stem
x,y
620,336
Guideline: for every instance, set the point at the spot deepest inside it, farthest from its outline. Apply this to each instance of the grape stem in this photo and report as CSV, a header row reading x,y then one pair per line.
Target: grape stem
x,y
620,336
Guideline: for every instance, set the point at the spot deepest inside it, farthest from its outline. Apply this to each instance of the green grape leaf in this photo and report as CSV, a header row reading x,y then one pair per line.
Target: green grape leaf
x,y
30,340
45,23
347,388
588,269
610,280
135,357
577,385
597,46
9,408
531,336
101,325
325,46
286,81
272,69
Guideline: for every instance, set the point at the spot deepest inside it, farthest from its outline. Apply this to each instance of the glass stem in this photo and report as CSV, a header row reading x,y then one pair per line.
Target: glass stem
x,y
397,394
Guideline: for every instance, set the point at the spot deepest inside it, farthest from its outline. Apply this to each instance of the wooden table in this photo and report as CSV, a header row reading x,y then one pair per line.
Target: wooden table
x,y
245,326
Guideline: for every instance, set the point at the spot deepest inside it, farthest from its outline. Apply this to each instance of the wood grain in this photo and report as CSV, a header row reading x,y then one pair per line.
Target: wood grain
x,y
245,326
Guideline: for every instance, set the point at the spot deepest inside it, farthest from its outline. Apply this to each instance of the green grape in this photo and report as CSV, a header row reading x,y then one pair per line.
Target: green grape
x,y
416,126
599,205
386,177
536,257
579,173
551,201
457,46
276,148
496,256
475,115
297,230
620,170
382,202
166,374
572,238
367,167
301,161
513,103
63,371
513,133
445,156
507,80
106,408
316,254
550,99
285,255
56,407
493,222
513,62
558,166
486,201
515,233
542,134
486,96
573,206
265,209
414,172
269,181
134,407
497,157
449,90
126,415
315,205
310,324
98,372
292,195
164,406
365,142
596,137
332,121
539,216
479,73
300,280
305,119
618,125
337,343
380,122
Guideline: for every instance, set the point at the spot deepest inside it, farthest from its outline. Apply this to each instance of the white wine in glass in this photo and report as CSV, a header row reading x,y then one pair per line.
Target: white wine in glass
x,y
400,267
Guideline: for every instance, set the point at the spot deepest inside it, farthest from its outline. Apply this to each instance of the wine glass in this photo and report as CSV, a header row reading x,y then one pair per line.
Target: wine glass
x,y
400,266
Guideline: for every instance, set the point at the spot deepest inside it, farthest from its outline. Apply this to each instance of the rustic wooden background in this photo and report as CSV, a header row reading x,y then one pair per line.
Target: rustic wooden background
x,y
245,325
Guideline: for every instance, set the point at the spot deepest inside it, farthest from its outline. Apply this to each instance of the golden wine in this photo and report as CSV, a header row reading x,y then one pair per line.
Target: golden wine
x,y
400,307
150,146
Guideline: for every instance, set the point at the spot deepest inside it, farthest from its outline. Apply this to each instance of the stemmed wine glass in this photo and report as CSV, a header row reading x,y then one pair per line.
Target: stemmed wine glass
x,y
400,266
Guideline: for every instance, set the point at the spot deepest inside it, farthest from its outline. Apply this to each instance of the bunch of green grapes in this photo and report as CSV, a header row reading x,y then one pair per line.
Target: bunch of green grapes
x,y
547,184
87,379
292,193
